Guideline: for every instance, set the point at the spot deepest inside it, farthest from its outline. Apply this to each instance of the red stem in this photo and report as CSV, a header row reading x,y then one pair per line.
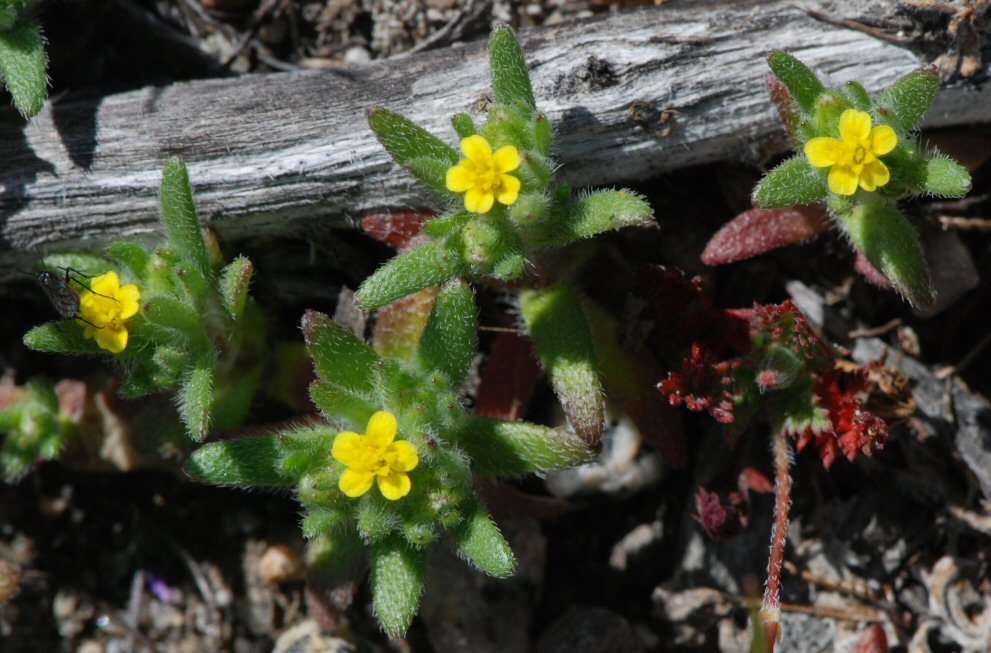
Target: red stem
x,y
770,611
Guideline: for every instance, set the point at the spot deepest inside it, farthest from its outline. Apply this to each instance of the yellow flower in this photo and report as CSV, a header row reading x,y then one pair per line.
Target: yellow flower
x,y
106,306
852,160
376,456
482,176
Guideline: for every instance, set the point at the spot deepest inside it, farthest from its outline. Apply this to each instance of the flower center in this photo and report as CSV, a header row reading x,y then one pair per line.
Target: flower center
x,y
859,154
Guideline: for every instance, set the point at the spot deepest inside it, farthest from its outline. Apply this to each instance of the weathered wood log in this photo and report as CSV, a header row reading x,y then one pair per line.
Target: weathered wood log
x,y
631,95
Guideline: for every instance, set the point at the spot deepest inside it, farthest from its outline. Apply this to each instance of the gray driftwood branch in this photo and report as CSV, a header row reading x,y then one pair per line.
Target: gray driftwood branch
x,y
631,95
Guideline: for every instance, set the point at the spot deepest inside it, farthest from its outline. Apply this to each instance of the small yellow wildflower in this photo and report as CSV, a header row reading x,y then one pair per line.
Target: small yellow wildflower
x,y
376,456
106,306
852,160
483,176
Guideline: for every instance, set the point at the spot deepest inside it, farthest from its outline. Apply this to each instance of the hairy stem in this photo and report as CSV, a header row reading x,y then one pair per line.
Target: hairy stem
x,y
770,611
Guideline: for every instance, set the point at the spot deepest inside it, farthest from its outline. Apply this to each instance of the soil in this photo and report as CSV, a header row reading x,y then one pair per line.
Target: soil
x,y
145,560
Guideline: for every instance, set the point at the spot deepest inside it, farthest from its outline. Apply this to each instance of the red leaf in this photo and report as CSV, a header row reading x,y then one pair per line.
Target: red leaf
x,y
784,102
873,640
398,229
759,231
721,521
508,379
867,270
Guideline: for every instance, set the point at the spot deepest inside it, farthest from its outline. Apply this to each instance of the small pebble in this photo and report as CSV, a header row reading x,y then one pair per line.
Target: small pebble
x,y
280,564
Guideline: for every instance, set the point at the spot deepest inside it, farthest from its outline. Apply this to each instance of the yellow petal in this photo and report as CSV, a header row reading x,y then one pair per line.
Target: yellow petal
x,y
883,140
128,296
107,284
874,176
394,486
114,341
354,483
348,448
506,158
381,429
510,190
476,148
823,151
842,180
405,456
459,179
855,126
479,201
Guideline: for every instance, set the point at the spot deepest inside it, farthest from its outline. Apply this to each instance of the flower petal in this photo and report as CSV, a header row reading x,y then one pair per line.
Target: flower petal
x,y
506,158
459,178
107,283
129,296
874,176
476,148
479,201
114,341
842,180
823,151
394,486
855,126
883,140
510,190
354,483
381,429
405,456
348,449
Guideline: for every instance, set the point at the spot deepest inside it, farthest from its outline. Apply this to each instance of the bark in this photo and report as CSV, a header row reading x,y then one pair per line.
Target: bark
x,y
630,94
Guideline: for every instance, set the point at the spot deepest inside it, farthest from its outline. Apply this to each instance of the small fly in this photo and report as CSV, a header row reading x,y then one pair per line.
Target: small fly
x,y
63,297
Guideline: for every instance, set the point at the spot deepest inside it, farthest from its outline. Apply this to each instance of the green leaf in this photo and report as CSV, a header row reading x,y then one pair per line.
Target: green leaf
x,y
510,76
405,141
173,314
944,177
606,210
60,337
445,225
320,522
336,402
397,581
234,282
488,240
882,234
907,100
450,339
560,333
793,182
23,66
805,87
431,172
182,227
464,125
256,461
132,256
375,521
430,264
499,448
483,545
858,96
195,398
339,356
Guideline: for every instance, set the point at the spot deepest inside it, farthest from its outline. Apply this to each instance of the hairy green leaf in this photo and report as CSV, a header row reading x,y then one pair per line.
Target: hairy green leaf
x,y
805,87
510,76
479,540
182,227
339,356
430,264
24,66
793,182
907,100
499,448
560,333
450,338
944,177
195,398
397,581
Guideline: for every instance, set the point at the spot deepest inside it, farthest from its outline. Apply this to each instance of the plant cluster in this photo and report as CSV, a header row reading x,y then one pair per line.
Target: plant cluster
x,y
508,221
393,461
857,156
183,323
